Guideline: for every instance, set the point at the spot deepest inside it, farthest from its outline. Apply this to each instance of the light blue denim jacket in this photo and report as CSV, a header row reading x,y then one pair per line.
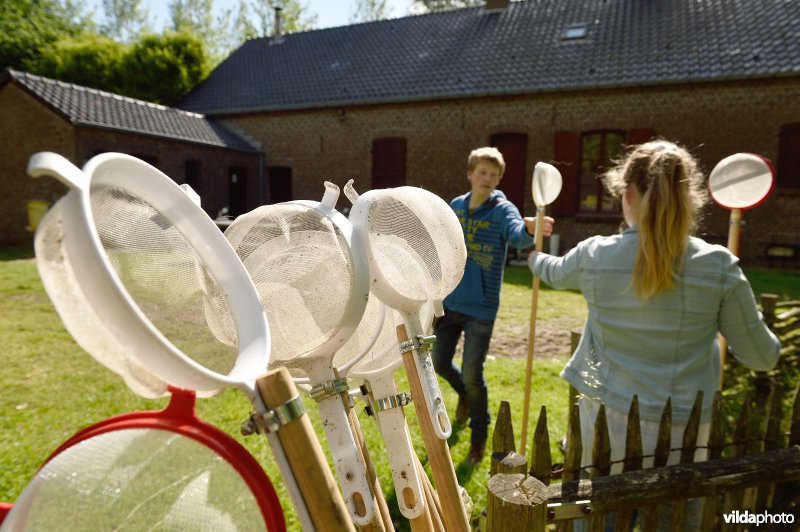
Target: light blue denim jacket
x,y
665,346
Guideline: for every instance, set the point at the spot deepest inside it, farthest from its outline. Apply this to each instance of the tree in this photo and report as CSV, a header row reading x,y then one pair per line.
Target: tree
x,y
162,69
370,11
197,17
425,6
89,59
125,19
28,26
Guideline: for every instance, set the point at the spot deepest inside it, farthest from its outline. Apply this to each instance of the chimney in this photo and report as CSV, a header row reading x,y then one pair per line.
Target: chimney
x,y
496,4
277,33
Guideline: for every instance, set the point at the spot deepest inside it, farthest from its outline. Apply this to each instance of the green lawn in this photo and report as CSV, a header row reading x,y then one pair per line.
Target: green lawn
x,y
50,388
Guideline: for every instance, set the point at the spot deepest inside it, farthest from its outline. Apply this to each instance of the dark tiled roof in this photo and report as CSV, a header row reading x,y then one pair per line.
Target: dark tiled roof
x,y
90,107
517,50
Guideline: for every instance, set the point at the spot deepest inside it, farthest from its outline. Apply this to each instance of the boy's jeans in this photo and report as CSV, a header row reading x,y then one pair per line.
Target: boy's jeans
x,y
469,380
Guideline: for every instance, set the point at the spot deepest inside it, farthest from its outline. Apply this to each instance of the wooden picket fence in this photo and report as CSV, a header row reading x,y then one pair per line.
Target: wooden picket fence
x,y
755,467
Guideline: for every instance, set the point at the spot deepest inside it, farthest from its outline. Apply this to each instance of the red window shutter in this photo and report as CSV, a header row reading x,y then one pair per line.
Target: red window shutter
x,y
388,162
565,158
639,136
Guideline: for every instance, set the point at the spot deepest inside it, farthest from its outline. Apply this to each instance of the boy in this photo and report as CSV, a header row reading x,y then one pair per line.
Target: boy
x,y
490,222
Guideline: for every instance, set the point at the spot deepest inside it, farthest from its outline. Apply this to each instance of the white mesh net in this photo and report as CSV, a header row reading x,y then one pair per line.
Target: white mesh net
x,y
299,263
78,314
137,479
165,276
416,243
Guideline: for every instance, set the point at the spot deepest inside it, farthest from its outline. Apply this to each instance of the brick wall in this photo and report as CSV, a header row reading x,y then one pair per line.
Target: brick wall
x,y
170,157
713,120
28,126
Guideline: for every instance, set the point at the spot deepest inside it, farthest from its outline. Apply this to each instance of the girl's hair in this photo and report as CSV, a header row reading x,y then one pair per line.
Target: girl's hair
x,y
672,192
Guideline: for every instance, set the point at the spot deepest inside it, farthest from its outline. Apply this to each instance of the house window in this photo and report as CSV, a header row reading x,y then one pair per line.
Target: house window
x,y
388,162
191,174
280,184
599,150
575,31
789,156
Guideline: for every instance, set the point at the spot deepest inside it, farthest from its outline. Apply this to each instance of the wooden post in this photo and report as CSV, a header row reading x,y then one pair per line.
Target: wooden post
x,y
601,459
733,500
660,457
716,443
768,304
788,489
444,474
541,461
634,457
516,502
688,449
572,456
303,451
505,459
574,340
766,493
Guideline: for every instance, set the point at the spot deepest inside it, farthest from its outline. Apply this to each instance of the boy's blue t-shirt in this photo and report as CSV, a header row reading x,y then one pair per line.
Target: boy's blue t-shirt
x,y
487,232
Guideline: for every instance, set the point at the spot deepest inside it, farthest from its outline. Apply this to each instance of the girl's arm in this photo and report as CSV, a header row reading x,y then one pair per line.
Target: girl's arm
x,y
740,322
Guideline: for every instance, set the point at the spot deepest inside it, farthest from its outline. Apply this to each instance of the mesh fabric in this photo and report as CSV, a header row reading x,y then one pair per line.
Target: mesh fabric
x,y
299,262
137,479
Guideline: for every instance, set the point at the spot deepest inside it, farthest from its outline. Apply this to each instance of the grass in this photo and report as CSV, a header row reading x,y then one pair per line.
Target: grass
x,y
50,388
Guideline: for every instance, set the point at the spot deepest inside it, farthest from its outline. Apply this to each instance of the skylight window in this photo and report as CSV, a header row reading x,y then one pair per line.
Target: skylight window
x,y
575,31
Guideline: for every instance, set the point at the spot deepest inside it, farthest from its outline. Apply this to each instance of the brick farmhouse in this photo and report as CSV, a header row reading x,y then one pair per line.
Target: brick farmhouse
x,y
403,101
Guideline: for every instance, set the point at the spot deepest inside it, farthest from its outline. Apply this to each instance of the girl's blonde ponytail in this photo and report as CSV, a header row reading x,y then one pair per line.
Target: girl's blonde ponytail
x,y
671,191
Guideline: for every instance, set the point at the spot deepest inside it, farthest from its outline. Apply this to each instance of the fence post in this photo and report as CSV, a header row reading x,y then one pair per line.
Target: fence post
x,y
541,461
601,460
572,456
633,457
516,502
734,499
766,493
574,340
787,490
768,302
688,449
505,458
660,457
716,442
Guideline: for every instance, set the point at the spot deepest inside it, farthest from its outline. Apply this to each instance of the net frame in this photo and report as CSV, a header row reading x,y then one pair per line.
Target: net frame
x,y
101,288
444,238
376,367
317,362
179,417
741,181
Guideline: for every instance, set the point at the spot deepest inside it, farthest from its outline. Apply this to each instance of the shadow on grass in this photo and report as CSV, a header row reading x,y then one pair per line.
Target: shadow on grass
x,y
16,252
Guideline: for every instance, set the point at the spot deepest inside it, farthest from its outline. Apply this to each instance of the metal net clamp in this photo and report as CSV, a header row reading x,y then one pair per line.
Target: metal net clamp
x,y
272,420
328,388
393,401
422,342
